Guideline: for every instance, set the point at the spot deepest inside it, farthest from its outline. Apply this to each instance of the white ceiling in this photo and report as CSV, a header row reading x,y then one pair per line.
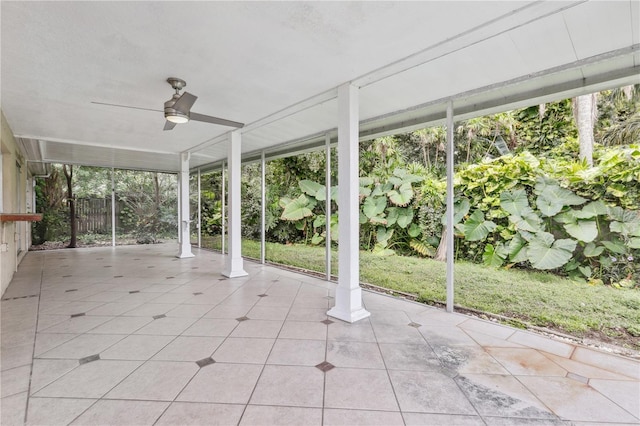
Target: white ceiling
x,y
275,66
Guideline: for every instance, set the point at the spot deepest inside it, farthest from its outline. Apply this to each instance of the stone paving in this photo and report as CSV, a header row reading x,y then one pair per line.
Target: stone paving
x,y
134,336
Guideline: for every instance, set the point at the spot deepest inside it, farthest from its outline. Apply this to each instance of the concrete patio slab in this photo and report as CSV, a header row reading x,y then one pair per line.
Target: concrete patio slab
x,y
131,335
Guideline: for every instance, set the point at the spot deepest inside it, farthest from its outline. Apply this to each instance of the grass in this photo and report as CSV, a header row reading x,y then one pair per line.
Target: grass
x,y
540,299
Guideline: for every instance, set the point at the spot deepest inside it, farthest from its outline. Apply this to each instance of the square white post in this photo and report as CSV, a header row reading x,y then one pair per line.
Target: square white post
x,y
348,299
234,266
183,205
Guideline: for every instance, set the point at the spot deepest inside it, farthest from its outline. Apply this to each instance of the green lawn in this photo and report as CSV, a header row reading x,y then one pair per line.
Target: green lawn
x,y
540,299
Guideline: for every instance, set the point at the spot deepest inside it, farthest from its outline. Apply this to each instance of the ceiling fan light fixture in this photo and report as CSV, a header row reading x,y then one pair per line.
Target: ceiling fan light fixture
x,y
176,117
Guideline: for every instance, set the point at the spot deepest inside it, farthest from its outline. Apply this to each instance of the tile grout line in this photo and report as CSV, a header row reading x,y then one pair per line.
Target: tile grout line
x,y
35,333
386,369
324,374
264,365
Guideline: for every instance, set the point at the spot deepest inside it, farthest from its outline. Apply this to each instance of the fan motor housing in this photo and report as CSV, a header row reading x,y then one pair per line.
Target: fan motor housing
x,y
173,114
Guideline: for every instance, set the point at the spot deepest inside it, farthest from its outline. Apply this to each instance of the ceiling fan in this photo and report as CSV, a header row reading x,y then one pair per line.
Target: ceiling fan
x,y
177,110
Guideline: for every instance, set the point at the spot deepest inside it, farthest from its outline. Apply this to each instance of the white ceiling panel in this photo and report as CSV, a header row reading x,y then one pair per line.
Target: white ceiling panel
x,y
544,43
250,61
611,31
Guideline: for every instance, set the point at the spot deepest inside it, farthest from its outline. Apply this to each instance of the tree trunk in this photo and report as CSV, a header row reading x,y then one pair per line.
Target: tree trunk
x,y
584,107
68,173
441,253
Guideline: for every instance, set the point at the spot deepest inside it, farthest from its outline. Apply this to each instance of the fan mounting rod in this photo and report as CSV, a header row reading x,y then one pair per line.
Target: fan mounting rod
x,y
177,83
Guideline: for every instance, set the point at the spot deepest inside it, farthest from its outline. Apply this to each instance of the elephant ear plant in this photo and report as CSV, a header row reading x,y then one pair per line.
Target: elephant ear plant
x,y
563,231
387,215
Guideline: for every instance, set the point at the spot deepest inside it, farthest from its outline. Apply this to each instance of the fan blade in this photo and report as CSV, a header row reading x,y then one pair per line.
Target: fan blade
x,y
126,106
215,120
168,125
185,102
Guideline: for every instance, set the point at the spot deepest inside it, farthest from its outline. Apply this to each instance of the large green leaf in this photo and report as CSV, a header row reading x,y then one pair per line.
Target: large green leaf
x,y
517,249
414,230
460,209
380,250
582,230
298,209
383,234
515,202
585,270
634,243
615,246
531,222
475,228
319,221
591,250
334,227
543,183
406,176
374,206
626,223
405,217
392,215
567,217
366,181
310,187
591,210
545,253
402,196
494,257
552,198
363,219
547,207
377,191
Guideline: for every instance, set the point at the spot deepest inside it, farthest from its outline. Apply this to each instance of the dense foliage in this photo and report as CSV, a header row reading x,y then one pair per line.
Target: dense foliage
x,y
146,203
535,204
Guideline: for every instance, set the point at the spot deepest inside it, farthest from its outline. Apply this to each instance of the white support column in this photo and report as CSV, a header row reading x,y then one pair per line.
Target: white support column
x,y
348,299
234,266
450,212
327,207
113,207
263,209
179,209
223,202
199,210
183,205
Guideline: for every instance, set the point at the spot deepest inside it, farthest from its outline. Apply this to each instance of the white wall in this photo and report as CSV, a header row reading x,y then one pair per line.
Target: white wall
x,y
16,195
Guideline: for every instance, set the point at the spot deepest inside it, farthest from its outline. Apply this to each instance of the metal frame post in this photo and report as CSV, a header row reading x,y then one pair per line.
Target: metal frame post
x,y
224,207
113,207
263,208
327,182
450,192
199,211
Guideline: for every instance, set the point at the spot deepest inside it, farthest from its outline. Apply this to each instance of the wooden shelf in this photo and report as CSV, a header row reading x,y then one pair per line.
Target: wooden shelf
x,y
20,217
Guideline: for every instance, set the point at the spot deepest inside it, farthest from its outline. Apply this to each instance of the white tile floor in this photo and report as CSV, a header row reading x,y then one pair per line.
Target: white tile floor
x,y
134,336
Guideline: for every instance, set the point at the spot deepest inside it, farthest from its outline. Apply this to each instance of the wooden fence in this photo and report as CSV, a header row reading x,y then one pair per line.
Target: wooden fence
x,y
94,215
